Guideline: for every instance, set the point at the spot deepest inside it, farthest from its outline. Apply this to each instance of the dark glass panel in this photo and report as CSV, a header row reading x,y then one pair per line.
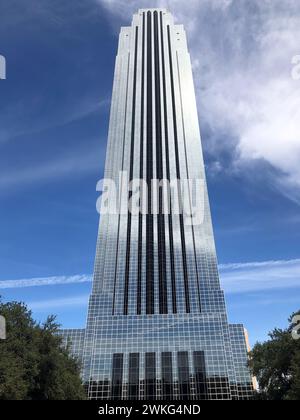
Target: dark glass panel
x,y
150,376
200,375
117,376
167,375
133,376
183,375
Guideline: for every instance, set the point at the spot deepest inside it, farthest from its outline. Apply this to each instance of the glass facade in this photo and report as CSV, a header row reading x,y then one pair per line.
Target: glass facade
x,y
74,339
157,326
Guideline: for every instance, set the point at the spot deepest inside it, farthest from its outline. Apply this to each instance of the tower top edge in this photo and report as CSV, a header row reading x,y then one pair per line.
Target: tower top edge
x,y
155,9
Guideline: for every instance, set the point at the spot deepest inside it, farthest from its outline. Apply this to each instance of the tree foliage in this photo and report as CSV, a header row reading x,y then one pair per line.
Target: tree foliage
x,y
33,363
276,365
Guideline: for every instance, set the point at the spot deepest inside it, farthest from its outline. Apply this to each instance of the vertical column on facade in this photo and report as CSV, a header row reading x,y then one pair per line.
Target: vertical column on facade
x,y
189,173
134,290
120,142
143,170
129,303
187,226
170,266
118,167
149,176
175,110
175,257
204,241
105,235
192,150
154,174
123,221
120,139
161,242
140,163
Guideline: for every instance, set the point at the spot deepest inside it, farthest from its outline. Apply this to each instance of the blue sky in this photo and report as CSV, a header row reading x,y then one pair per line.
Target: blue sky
x,y
54,109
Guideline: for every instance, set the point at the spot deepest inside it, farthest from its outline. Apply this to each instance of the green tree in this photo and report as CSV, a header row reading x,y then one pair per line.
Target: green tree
x,y
33,363
276,365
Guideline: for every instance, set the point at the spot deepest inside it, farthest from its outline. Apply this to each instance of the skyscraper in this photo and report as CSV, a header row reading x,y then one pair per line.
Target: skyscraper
x,y
157,326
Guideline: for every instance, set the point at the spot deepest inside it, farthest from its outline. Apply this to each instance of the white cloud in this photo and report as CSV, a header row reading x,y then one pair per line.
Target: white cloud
x,y
256,276
241,53
45,281
50,304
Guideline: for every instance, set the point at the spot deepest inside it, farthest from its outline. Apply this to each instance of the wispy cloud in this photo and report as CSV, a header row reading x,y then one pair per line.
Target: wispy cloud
x,y
45,281
41,305
235,277
15,116
76,163
256,276
261,301
258,264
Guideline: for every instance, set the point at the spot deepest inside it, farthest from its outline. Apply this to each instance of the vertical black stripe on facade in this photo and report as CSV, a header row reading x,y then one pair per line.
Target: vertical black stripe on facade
x,y
120,186
181,223
127,261
163,304
149,176
170,221
140,233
